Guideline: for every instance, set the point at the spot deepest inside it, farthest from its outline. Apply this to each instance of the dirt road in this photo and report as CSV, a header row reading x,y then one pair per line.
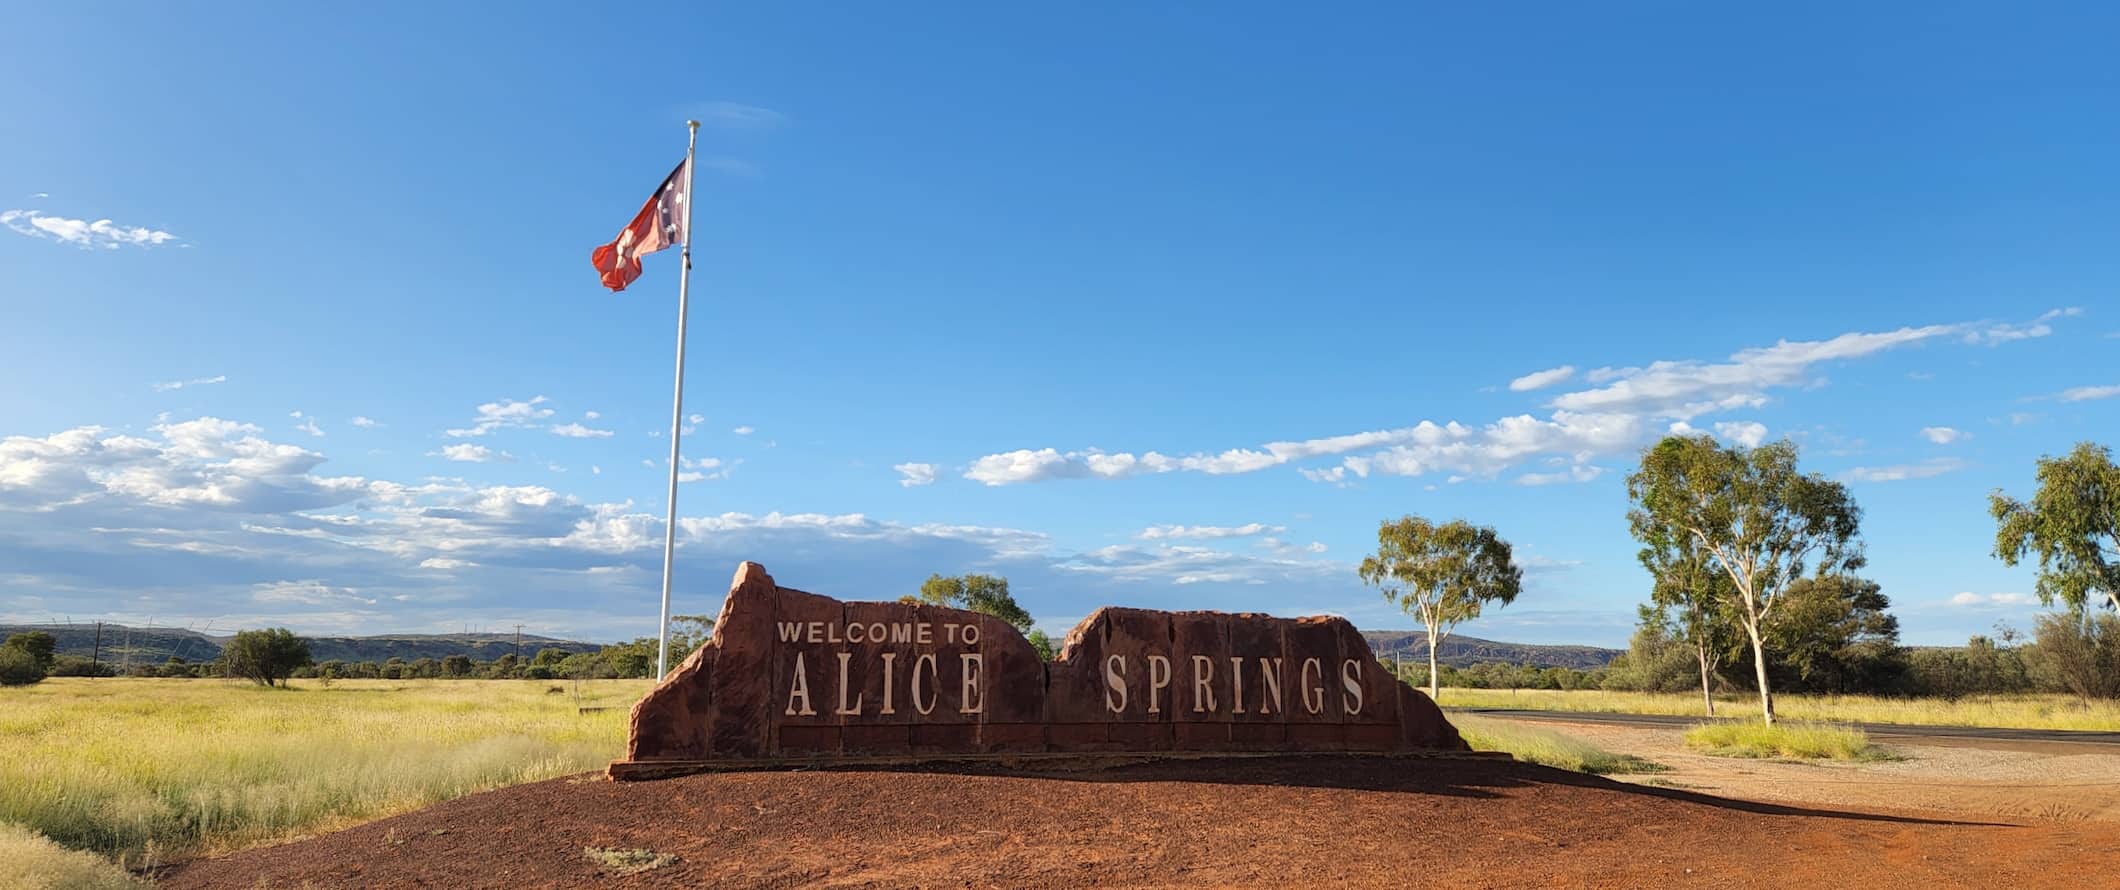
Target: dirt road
x,y
1295,821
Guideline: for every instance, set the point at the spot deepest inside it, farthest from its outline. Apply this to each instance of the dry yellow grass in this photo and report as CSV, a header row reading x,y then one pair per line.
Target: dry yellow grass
x,y
151,771
2013,711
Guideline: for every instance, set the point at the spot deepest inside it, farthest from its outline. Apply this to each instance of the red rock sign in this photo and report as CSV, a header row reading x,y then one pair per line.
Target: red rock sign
x,y
794,674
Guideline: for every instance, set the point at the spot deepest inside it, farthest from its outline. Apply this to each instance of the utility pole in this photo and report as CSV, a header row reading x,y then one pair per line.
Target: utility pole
x,y
518,642
96,656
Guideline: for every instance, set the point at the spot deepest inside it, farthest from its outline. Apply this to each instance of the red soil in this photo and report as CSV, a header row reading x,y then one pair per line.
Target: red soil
x,y
1291,821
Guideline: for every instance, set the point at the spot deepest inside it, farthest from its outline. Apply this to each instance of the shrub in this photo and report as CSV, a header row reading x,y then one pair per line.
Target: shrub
x,y
265,656
1785,739
76,666
18,667
2080,653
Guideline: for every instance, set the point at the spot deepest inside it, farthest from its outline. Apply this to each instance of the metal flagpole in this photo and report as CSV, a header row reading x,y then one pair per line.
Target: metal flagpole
x,y
677,414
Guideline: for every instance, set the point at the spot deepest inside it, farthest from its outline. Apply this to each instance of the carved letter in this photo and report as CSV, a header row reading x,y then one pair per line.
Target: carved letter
x,y
851,628
1313,705
876,632
902,633
1115,683
1351,678
1203,690
844,710
791,631
800,689
1270,671
1236,684
927,661
972,676
971,634
888,657
1158,677
816,631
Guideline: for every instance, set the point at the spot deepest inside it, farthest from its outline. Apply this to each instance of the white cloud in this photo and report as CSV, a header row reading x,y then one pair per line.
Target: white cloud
x,y
82,233
504,414
1997,334
1748,433
1577,473
1993,600
468,452
691,424
1900,472
912,475
738,116
2088,393
577,431
1943,435
309,425
595,470
199,381
1611,419
744,430
1541,379
704,469
364,422
591,415
1173,532
308,593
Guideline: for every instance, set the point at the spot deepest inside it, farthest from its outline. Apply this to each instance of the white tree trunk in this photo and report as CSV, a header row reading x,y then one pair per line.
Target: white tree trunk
x,y
1434,676
1700,648
1759,666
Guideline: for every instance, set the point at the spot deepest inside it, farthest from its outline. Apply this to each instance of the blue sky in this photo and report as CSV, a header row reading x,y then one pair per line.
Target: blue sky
x,y
1157,307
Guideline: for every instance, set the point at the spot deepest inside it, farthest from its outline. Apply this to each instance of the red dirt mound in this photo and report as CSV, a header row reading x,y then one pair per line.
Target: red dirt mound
x,y
1288,821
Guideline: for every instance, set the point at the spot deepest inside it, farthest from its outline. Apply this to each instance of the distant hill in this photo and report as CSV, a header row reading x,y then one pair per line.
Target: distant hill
x,y
1457,651
123,644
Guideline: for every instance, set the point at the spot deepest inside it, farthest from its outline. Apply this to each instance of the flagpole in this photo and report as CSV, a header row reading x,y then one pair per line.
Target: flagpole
x,y
677,414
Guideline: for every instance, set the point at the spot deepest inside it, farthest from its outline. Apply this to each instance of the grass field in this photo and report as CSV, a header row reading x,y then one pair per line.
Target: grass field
x,y
2015,711
150,771
1546,747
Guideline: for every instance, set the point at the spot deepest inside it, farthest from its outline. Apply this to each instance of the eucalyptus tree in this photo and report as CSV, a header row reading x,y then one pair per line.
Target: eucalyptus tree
x,y
1690,593
2072,525
1756,517
1442,574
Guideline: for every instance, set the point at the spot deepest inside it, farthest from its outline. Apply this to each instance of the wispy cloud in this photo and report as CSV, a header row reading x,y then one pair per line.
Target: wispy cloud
x,y
307,425
1541,379
364,422
82,233
2086,393
197,381
1969,599
472,453
1176,532
915,475
504,414
739,116
744,430
1943,435
577,431
1901,472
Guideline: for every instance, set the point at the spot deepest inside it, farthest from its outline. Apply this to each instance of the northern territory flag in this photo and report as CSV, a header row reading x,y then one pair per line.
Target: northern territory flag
x,y
660,223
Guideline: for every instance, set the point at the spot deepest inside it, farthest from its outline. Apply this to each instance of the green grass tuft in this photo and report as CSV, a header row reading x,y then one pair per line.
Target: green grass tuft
x,y
1547,748
1810,741
30,861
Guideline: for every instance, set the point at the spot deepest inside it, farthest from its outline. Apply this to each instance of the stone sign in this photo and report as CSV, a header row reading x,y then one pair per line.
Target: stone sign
x,y
794,675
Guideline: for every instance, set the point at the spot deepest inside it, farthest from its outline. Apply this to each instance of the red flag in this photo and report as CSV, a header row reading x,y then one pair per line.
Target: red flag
x,y
660,223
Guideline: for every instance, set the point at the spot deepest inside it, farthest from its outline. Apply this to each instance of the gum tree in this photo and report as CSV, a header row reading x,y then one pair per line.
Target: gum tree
x,y
1442,574
2072,525
1754,516
1690,592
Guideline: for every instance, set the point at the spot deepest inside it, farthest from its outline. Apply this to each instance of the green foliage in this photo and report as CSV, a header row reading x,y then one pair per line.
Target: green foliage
x,y
30,861
1043,643
18,667
1442,574
2080,653
1834,636
1981,667
76,666
2072,525
456,666
984,594
1754,516
1815,741
1655,660
265,657
40,645
550,657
